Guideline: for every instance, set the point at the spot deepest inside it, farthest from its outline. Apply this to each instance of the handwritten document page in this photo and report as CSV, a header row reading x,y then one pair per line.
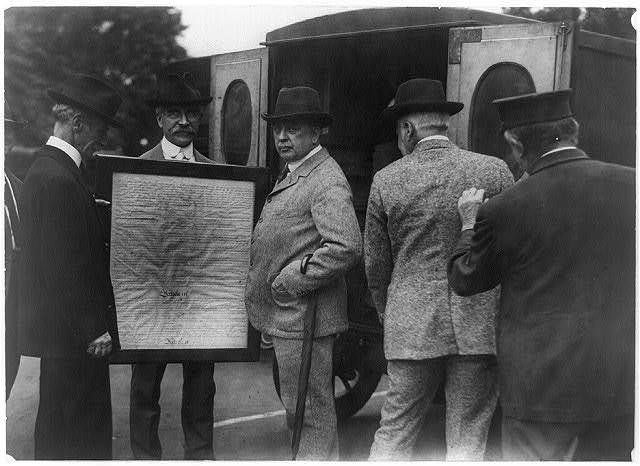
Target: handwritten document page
x,y
179,259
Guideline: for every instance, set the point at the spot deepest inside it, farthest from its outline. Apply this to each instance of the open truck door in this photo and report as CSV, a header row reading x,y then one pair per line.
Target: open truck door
x,y
492,62
237,134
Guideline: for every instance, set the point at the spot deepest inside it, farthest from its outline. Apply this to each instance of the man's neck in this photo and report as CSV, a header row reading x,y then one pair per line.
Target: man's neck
x,y
66,147
293,165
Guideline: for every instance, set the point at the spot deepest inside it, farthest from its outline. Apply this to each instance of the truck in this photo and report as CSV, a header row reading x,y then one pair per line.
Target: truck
x,y
356,60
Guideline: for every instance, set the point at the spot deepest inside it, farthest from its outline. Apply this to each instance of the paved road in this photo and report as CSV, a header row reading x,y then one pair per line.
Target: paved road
x,y
250,422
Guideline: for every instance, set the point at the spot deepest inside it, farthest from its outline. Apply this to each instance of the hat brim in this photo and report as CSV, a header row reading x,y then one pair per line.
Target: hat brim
x,y
11,123
398,110
324,119
165,102
59,97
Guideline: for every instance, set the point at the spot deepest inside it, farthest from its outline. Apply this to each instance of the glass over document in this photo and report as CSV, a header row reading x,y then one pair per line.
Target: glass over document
x,y
179,258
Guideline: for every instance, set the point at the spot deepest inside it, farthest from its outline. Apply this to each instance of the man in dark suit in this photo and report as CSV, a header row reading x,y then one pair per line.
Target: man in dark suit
x,y
66,310
12,190
561,244
179,108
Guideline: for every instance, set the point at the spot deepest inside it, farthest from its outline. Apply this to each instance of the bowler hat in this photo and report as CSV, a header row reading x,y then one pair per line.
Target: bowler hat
x,y
177,89
529,109
91,94
420,95
299,103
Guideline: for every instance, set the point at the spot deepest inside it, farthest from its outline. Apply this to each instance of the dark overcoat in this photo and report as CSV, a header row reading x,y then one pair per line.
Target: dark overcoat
x,y
562,245
65,300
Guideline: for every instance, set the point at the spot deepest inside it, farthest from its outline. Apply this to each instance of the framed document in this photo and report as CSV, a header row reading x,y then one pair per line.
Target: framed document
x,y
180,235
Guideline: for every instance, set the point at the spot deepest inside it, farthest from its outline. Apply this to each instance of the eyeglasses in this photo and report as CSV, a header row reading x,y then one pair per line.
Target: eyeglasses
x,y
177,112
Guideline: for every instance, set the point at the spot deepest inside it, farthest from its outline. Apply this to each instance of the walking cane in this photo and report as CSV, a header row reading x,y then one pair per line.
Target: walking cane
x,y
305,365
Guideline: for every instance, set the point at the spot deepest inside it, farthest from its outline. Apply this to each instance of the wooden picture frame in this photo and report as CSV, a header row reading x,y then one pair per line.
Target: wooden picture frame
x,y
210,210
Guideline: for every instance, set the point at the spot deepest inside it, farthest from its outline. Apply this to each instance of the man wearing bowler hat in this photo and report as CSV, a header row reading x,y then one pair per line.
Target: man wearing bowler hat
x,y
178,107
430,335
66,304
305,241
561,245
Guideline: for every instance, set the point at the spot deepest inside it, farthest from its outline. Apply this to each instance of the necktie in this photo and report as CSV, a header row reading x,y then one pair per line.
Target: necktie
x,y
284,174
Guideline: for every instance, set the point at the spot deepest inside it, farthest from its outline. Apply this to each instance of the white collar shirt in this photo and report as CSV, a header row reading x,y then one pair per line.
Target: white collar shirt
x,y
293,165
557,150
65,147
172,152
434,137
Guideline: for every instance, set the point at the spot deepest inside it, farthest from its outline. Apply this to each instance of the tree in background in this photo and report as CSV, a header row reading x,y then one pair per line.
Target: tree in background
x,y
610,21
122,45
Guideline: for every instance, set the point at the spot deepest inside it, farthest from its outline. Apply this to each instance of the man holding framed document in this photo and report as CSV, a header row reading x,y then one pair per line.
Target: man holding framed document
x,y
178,106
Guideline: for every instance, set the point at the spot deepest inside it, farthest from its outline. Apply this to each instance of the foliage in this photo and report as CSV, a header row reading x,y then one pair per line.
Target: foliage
x,y
122,45
610,21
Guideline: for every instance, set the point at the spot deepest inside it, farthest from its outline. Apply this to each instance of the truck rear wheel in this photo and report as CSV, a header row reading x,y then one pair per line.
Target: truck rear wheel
x,y
352,391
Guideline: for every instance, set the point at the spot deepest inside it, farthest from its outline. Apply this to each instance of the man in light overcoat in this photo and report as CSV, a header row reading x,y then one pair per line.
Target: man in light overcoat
x,y
305,241
179,107
431,335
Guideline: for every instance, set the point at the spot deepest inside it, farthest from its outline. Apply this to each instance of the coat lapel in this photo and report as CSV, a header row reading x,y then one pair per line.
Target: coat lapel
x,y
302,171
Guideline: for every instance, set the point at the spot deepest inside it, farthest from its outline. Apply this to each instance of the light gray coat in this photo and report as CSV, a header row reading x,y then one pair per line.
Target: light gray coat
x,y
309,212
411,229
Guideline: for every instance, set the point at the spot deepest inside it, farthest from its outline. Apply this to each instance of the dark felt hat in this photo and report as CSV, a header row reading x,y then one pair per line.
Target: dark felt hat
x,y
299,103
529,109
177,89
420,95
91,94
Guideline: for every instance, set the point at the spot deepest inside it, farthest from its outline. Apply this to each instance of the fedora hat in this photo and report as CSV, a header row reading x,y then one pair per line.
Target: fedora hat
x,y
420,95
299,103
91,94
529,109
177,89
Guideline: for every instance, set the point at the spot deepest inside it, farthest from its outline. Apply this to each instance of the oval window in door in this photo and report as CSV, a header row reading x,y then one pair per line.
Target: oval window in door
x,y
500,80
236,123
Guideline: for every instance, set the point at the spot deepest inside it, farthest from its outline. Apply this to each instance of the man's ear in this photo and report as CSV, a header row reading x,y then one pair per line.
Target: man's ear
x,y
514,142
77,123
317,131
159,116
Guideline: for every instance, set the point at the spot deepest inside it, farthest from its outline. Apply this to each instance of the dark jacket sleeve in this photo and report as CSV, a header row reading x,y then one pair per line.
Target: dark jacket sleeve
x,y
473,266
68,265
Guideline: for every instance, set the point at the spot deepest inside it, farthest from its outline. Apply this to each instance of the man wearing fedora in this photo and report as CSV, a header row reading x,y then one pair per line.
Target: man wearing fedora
x,y
430,335
561,245
305,241
178,107
66,313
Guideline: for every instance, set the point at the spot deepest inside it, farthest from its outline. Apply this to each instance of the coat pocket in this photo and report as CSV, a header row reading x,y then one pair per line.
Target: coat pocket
x,y
289,311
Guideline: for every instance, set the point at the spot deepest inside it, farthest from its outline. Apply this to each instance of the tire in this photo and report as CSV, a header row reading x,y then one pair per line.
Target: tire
x,y
350,400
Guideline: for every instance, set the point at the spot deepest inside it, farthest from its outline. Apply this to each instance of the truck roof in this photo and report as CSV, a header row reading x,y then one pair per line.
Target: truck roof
x,y
372,20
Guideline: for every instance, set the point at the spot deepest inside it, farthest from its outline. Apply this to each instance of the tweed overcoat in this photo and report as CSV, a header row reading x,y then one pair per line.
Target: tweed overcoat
x,y
309,212
156,154
561,244
411,229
